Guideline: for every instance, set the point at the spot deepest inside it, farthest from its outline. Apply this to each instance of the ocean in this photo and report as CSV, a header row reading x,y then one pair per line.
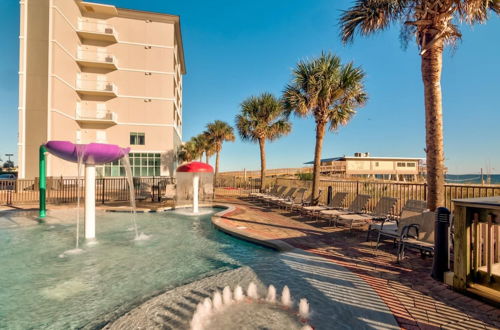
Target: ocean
x,y
472,178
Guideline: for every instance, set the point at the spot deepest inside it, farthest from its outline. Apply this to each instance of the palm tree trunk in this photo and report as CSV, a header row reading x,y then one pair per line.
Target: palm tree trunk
x,y
431,75
262,145
206,158
216,166
320,133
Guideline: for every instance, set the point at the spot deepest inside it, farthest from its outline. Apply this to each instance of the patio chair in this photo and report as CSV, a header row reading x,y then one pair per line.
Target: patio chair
x,y
168,192
411,218
357,206
381,211
295,199
337,202
418,235
389,224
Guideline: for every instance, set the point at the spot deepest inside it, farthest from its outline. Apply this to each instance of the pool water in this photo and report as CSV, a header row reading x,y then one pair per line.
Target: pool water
x,y
41,286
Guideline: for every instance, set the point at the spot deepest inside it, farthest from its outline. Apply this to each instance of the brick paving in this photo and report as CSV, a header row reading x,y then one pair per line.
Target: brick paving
x,y
415,299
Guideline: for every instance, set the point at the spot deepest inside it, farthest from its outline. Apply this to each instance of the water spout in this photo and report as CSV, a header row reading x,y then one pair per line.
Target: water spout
x,y
252,291
238,293
130,180
217,300
227,296
303,309
286,297
271,294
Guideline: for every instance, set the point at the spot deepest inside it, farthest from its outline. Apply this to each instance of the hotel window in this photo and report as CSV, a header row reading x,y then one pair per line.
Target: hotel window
x,y
376,164
142,164
401,164
138,139
410,164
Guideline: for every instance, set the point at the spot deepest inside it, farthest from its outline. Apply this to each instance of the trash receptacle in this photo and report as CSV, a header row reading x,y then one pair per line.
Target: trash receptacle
x,y
441,262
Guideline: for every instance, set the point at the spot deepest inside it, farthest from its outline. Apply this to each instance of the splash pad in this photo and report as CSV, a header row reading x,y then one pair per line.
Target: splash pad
x,y
89,155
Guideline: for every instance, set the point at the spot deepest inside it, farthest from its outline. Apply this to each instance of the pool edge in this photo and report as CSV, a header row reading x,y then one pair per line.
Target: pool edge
x,y
216,219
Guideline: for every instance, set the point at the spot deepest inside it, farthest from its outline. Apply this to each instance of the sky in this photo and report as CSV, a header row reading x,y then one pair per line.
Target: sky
x,y
236,49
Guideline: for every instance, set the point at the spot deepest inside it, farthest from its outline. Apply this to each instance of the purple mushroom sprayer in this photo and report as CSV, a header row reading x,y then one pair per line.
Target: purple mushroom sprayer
x,y
89,155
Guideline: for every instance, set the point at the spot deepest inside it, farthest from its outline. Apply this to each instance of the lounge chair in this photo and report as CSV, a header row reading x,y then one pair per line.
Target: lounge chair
x,y
381,211
298,200
337,202
357,206
285,197
295,199
310,201
260,194
279,194
389,224
279,191
418,235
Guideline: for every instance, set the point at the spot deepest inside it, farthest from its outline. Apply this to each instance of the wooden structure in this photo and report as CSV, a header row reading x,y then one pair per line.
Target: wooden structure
x,y
477,249
365,166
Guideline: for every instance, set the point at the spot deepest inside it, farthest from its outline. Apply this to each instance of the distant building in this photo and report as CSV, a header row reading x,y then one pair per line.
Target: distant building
x,y
96,73
363,165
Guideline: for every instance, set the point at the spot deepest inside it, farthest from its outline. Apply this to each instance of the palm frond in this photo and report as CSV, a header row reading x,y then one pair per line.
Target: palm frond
x,y
368,16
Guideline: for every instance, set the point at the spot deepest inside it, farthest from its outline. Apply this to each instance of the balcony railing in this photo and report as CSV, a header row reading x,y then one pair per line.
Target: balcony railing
x,y
100,117
96,59
95,30
96,87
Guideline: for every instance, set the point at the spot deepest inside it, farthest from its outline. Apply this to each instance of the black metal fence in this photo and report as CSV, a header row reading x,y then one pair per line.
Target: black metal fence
x,y
401,190
65,190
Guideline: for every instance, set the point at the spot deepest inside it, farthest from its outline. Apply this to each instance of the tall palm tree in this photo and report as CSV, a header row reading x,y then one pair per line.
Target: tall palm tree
x,y
433,23
262,118
328,91
218,132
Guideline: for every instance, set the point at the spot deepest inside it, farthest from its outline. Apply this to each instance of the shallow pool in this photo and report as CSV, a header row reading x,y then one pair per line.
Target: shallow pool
x,y
42,287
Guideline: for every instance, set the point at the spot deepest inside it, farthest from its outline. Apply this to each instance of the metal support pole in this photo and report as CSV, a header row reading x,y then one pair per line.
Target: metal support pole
x,y
42,183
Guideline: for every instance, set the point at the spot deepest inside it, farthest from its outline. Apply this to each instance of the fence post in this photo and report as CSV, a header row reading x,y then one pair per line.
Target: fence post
x,y
103,189
425,191
357,187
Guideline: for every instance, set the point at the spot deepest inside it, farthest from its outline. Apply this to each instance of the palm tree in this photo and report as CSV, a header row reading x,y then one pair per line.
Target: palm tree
x,y
199,142
218,132
207,147
186,152
432,22
262,118
330,92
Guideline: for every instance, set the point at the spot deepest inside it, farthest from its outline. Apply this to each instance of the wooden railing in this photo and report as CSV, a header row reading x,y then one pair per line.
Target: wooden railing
x,y
286,171
477,247
65,190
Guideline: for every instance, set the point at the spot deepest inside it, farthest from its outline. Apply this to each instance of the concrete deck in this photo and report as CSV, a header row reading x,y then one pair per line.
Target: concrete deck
x,y
414,298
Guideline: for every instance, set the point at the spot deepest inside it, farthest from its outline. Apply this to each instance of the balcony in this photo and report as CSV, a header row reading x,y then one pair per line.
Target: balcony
x,y
98,118
100,60
96,30
96,88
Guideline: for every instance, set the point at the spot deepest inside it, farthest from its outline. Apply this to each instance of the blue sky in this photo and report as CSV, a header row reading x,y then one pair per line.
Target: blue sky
x,y
235,49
